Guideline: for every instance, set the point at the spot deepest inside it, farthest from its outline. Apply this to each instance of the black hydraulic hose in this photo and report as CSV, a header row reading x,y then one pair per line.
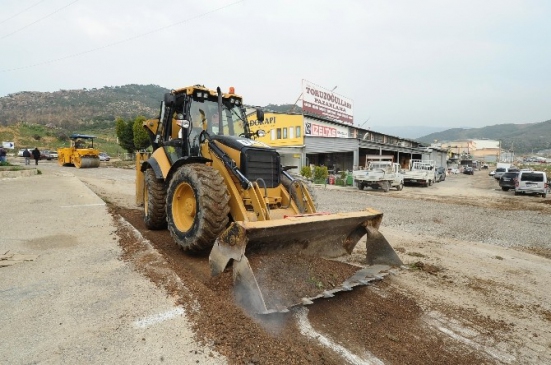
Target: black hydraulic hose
x,y
263,183
292,189
265,191
220,124
229,163
284,172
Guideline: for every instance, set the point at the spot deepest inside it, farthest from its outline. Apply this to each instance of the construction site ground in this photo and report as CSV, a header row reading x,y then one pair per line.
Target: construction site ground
x,y
98,287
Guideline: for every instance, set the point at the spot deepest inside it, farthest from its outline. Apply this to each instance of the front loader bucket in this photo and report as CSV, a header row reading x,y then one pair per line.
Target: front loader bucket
x,y
279,264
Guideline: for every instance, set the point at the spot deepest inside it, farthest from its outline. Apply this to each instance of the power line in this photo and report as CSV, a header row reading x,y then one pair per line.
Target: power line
x,y
39,20
122,41
21,12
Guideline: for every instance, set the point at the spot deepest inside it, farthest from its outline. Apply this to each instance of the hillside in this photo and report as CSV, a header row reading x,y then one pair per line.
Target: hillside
x,y
75,109
92,109
70,109
521,138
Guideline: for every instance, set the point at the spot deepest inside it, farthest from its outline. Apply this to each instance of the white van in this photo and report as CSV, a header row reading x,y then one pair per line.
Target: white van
x,y
532,182
500,171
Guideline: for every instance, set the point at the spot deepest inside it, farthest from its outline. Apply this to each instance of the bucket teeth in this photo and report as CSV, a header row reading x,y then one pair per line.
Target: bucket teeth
x,y
277,248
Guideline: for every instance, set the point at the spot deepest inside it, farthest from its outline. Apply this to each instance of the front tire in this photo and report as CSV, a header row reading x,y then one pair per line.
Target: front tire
x,y
400,187
197,207
154,201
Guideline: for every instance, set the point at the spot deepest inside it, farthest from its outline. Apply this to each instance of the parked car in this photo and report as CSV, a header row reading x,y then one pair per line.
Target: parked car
x,y
44,154
508,180
468,170
104,156
20,153
532,182
500,171
440,174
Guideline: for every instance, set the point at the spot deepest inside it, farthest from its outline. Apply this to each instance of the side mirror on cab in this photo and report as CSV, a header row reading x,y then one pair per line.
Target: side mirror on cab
x,y
259,114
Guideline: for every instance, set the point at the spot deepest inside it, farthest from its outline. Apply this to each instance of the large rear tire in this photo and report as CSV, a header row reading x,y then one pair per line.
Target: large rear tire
x,y
197,207
154,201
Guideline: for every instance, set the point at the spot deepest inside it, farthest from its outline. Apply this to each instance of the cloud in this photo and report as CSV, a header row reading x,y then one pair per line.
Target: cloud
x,y
401,62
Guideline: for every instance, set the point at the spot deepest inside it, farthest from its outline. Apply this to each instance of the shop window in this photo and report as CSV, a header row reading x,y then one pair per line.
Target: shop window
x,y
284,133
298,132
278,131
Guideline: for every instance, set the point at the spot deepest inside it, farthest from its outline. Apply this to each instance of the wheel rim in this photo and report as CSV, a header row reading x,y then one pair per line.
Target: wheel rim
x,y
184,207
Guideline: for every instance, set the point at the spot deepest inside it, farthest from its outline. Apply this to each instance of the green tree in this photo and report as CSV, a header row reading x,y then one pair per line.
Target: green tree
x,y
141,138
125,134
61,136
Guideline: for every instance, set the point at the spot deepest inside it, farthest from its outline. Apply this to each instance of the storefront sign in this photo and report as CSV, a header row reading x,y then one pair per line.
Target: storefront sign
x,y
267,121
319,101
325,130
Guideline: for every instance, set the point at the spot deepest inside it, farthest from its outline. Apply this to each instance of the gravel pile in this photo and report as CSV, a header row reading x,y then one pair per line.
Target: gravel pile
x,y
505,228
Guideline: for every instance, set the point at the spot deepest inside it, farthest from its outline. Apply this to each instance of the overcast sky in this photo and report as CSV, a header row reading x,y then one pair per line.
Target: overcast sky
x,y
432,63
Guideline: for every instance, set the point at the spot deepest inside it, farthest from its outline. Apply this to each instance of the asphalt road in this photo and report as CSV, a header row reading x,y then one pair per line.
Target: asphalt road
x,y
77,302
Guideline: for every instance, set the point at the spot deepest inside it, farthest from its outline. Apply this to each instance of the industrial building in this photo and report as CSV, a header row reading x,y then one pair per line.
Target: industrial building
x,y
304,139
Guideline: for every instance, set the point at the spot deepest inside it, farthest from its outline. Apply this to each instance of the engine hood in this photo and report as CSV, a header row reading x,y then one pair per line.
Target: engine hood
x,y
238,143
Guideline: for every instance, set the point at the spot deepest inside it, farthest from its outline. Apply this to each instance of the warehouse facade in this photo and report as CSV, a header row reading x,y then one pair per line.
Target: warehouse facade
x,y
304,140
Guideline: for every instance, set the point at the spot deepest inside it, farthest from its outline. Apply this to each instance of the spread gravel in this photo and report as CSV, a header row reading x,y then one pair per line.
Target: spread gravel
x,y
507,228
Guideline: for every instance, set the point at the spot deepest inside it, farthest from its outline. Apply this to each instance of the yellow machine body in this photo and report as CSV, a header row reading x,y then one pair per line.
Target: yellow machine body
x,y
228,195
81,153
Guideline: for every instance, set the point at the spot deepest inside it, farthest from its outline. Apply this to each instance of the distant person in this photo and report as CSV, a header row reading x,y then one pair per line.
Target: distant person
x,y
3,154
36,155
27,155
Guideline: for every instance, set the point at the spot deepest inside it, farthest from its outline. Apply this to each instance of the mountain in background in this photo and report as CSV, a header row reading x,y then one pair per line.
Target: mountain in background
x,y
411,132
520,138
74,109
67,108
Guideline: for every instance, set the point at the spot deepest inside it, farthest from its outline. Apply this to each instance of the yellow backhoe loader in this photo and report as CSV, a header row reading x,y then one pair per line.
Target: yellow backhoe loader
x,y
220,191
80,154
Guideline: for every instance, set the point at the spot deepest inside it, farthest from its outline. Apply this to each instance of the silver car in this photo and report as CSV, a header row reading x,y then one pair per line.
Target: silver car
x,y
532,182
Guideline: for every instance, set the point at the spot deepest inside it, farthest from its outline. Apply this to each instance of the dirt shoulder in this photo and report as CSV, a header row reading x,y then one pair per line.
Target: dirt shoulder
x,y
455,301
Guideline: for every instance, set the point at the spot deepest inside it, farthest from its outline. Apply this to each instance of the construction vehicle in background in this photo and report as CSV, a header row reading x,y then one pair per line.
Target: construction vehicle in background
x,y
220,191
380,172
80,154
421,172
